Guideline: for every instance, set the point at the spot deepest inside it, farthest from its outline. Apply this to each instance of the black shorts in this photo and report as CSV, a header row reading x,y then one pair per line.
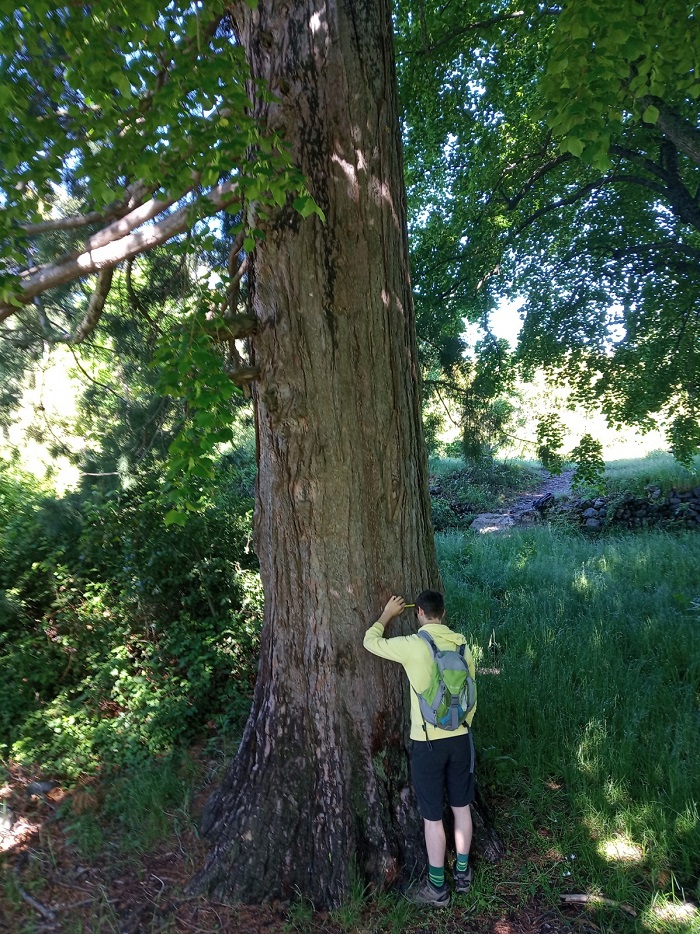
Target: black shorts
x,y
443,762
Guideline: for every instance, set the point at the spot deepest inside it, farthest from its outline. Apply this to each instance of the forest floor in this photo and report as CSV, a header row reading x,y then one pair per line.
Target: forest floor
x,y
49,884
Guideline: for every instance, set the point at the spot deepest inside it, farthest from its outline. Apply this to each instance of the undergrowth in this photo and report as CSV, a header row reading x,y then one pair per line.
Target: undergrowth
x,y
658,468
121,638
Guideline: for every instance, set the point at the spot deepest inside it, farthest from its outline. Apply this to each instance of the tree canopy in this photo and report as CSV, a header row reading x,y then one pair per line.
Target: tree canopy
x,y
553,155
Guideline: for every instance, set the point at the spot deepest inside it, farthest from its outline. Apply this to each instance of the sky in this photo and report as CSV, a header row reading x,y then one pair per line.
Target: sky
x,y
505,323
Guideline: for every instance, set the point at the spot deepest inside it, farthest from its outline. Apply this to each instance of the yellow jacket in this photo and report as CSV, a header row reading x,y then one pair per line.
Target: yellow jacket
x,y
414,654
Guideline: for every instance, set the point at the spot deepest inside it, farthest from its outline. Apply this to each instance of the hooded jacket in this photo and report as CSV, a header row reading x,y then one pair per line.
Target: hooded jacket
x,y
414,654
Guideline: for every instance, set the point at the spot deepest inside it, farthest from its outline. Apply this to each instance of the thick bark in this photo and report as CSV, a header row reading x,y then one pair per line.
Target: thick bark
x,y
342,513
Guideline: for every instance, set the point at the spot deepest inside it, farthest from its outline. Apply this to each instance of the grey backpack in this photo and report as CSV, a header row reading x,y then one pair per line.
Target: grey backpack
x,y
451,694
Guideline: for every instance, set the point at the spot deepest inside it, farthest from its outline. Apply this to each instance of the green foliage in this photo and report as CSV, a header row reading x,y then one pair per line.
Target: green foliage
x,y
433,423
120,637
603,250
605,63
550,439
107,114
684,435
163,97
191,370
657,469
487,406
590,466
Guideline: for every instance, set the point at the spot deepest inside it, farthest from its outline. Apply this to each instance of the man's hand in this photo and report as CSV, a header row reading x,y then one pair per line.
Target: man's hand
x,y
395,607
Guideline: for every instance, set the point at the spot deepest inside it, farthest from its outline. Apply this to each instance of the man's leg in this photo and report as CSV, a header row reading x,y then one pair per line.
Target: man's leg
x,y
435,842
460,791
427,767
463,829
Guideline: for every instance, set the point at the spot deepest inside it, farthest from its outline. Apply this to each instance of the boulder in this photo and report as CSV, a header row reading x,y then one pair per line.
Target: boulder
x,y
492,522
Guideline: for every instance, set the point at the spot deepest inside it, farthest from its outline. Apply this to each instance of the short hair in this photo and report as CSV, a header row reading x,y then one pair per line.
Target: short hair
x,y
432,603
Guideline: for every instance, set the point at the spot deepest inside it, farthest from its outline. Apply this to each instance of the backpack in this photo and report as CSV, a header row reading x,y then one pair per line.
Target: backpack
x,y
451,694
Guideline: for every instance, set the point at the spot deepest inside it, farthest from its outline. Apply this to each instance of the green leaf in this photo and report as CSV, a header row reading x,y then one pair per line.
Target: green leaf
x,y
651,114
306,206
572,145
174,517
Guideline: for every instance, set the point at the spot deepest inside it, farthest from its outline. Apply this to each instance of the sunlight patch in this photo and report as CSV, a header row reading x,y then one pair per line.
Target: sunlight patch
x,y
677,912
621,850
20,832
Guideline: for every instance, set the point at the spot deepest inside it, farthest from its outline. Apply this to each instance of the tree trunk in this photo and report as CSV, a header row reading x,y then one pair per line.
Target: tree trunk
x,y
320,784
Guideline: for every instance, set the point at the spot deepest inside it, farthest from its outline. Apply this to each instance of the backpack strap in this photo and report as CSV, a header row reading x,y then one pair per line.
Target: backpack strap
x,y
434,649
429,639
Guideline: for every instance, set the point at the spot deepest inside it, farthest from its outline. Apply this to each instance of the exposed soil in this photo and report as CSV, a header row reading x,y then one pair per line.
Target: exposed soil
x,y
50,886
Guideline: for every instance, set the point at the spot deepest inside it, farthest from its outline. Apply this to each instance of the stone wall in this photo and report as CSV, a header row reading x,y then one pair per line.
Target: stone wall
x,y
677,509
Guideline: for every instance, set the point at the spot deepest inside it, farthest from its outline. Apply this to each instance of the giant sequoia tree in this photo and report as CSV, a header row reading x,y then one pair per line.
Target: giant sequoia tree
x,y
151,119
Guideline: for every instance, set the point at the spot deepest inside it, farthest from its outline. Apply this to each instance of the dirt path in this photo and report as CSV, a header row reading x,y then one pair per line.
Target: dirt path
x,y
521,511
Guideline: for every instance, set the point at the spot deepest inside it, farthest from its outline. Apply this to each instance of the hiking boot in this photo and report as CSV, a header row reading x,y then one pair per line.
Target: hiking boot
x,y
463,880
425,893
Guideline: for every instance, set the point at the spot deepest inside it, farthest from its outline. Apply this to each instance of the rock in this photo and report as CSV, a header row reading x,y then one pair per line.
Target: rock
x,y
492,522
590,513
543,502
529,517
40,788
592,523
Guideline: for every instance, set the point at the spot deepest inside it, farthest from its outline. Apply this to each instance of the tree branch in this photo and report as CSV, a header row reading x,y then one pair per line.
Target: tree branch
x,y
95,306
586,190
535,177
235,328
134,197
110,254
680,131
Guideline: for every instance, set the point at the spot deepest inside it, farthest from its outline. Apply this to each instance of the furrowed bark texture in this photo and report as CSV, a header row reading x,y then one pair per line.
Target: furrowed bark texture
x,y
342,521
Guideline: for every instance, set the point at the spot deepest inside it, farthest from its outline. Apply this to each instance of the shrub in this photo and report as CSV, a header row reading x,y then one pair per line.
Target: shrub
x,y
121,637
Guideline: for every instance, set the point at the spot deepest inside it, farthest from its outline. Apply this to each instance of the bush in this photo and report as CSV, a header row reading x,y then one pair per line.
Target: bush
x,y
121,637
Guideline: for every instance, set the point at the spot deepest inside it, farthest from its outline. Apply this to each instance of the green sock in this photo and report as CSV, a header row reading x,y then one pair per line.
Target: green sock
x,y
462,862
436,874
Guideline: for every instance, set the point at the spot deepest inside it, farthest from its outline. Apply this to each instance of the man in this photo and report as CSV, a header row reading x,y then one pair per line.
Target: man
x,y
439,757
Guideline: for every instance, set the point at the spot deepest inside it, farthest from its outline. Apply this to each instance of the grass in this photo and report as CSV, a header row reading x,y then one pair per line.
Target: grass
x,y
588,719
658,468
137,806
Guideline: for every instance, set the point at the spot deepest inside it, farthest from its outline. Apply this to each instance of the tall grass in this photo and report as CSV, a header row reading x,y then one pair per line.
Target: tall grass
x,y
658,468
591,703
